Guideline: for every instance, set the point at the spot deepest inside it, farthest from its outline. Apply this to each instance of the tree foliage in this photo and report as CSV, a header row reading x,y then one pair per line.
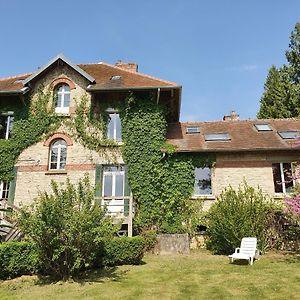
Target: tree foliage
x,y
281,96
67,228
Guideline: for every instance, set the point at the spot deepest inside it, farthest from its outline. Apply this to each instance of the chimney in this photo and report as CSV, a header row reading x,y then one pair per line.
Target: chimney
x,y
233,116
132,67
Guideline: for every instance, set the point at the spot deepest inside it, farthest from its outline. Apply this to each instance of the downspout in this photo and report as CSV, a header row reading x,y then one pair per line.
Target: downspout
x,y
158,95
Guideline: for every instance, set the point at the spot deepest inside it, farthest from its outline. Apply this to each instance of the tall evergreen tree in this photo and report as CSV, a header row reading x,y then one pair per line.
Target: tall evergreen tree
x,y
281,97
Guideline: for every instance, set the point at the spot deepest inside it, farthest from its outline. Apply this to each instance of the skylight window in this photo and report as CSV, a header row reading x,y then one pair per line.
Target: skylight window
x,y
192,129
217,137
263,127
286,135
116,77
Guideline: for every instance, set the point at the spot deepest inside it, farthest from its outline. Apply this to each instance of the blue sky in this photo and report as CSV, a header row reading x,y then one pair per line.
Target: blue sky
x,y
219,51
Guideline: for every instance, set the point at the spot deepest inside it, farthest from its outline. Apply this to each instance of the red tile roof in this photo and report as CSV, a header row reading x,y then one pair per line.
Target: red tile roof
x,y
244,136
103,74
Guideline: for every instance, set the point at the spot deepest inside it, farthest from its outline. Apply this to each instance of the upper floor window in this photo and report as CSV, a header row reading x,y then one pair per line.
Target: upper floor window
x,y
202,185
6,124
4,190
62,95
283,177
58,155
114,127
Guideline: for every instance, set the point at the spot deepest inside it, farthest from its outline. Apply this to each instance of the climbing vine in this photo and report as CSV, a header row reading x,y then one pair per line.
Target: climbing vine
x,y
32,121
161,183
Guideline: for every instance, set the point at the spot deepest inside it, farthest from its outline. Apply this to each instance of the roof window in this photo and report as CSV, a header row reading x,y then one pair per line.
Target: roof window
x,y
116,77
192,129
263,127
290,134
217,136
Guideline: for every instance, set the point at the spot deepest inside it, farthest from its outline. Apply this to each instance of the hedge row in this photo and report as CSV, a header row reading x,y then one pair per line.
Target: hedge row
x,y
21,258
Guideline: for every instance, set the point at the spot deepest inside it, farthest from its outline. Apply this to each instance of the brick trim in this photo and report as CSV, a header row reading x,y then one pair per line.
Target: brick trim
x,y
243,164
61,80
58,135
44,168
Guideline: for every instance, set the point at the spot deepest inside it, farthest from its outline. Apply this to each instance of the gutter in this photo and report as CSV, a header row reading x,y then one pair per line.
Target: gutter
x,y
22,91
89,88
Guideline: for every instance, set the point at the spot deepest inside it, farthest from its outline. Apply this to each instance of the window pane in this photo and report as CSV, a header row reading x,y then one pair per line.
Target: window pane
x,y
277,178
110,127
11,122
288,178
202,181
107,185
119,188
118,128
66,100
58,103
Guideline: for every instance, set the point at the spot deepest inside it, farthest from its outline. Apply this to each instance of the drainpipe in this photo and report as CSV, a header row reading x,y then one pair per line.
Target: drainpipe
x,y
158,95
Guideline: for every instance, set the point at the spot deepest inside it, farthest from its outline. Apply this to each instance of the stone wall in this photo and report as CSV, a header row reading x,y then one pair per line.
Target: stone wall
x,y
172,244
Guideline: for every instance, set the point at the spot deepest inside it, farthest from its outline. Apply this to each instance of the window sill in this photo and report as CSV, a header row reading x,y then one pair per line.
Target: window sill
x,y
203,197
56,172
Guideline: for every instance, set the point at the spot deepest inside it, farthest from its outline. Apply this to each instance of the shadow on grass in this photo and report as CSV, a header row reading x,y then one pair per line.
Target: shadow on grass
x,y
96,275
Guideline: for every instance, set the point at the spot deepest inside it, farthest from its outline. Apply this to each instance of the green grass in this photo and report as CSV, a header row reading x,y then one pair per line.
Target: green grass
x,y
199,275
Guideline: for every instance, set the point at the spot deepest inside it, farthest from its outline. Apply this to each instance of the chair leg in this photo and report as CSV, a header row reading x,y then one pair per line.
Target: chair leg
x,y
251,261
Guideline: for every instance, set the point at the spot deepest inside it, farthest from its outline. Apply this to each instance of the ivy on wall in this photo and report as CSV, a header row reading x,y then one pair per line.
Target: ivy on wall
x,y
32,122
161,183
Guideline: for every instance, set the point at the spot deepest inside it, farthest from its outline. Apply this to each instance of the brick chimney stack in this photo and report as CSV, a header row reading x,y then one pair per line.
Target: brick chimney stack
x,y
232,117
132,67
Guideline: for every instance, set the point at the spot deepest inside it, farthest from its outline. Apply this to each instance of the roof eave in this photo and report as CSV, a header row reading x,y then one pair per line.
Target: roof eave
x,y
52,61
236,150
91,89
15,92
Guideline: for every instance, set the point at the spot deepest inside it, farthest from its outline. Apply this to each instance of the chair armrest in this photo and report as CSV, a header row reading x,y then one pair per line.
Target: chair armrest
x,y
237,250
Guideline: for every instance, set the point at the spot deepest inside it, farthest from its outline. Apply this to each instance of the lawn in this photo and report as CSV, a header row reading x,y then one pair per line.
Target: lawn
x,y
199,275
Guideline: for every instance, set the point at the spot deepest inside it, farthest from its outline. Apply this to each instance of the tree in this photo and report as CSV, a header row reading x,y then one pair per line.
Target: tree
x,y
281,97
68,229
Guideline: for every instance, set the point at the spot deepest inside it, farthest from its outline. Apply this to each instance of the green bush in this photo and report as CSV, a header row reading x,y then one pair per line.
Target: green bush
x,y
67,228
149,237
17,258
237,214
124,251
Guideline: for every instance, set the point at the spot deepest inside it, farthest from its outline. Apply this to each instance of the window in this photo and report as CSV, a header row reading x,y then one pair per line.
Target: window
x,y
6,124
263,127
283,177
4,190
114,127
58,155
192,129
62,99
202,184
288,134
113,188
217,137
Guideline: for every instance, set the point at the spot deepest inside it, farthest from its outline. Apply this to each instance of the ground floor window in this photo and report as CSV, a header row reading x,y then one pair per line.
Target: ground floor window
x,y
202,185
283,177
113,188
4,190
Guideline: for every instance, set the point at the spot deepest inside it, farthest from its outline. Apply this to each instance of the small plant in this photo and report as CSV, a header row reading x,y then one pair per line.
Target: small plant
x,y
68,229
237,214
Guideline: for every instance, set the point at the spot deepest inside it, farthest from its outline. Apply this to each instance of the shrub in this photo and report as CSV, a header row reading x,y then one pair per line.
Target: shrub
x,y
17,258
149,237
123,251
67,228
237,214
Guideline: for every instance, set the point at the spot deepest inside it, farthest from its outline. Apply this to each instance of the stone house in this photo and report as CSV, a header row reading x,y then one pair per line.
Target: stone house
x,y
258,151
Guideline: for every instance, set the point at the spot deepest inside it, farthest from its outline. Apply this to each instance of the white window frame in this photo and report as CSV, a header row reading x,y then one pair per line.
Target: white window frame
x,y
2,190
211,185
282,177
59,148
113,202
114,137
63,109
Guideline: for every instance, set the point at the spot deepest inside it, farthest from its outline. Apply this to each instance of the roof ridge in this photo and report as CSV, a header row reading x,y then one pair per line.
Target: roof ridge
x,y
15,76
137,73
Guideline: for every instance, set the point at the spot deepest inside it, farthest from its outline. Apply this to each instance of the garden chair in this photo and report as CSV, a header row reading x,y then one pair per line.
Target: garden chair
x,y
246,251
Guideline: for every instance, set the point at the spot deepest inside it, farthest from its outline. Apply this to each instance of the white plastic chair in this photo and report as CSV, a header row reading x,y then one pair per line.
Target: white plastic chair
x,y
247,250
